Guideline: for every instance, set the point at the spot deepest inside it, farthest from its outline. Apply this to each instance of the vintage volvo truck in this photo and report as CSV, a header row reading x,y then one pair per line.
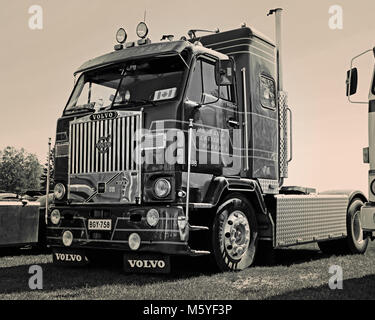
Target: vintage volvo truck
x,y
182,148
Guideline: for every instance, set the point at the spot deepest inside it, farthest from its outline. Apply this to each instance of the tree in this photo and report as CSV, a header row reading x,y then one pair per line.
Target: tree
x,y
19,170
43,178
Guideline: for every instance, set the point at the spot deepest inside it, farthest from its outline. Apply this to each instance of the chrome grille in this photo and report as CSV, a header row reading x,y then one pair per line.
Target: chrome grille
x,y
104,145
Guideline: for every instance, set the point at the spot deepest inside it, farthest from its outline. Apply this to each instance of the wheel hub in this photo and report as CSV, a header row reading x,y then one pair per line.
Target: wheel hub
x,y
357,228
236,236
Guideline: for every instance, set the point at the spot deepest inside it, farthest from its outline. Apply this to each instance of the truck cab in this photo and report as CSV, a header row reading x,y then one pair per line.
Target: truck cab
x,y
368,211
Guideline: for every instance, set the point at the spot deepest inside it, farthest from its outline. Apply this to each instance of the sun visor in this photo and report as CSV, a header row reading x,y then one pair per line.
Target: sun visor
x,y
154,49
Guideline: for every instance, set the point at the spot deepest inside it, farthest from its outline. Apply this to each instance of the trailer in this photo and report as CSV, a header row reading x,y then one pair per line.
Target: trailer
x,y
182,148
19,221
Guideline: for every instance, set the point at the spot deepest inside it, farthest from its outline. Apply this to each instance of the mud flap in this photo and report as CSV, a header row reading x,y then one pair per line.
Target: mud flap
x,y
145,263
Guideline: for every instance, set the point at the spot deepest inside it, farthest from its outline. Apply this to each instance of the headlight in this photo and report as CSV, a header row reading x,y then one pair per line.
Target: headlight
x,y
152,217
67,238
134,241
162,188
59,191
372,187
55,216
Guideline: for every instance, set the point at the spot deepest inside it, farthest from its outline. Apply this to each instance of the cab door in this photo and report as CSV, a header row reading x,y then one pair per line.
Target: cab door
x,y
215,120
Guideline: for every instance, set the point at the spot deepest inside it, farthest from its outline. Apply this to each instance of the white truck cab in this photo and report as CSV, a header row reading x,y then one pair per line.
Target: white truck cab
x,y
368,210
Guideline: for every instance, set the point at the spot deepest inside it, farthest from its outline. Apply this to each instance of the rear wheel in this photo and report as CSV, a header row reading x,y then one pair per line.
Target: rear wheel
x,y
235,234
355,242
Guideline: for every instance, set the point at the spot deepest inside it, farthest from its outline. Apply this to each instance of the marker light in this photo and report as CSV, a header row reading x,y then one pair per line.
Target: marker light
x,y
152,217
142,30
59,191
55,216
67,238
162,188
121,35
134,241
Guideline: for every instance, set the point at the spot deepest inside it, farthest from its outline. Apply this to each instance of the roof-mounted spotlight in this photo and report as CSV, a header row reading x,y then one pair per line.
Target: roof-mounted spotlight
x,y
120,38
121,35
142,30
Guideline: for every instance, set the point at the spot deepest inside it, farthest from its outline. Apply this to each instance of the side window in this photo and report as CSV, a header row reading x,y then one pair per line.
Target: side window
x,y
195,89
203,81
267,92
209,82
210,86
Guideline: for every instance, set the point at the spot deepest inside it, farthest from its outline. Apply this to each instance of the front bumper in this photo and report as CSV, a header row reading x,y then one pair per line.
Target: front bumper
x,y
169,236
368,217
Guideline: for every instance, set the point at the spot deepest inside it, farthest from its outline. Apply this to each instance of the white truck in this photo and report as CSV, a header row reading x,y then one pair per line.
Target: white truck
x,y
367,217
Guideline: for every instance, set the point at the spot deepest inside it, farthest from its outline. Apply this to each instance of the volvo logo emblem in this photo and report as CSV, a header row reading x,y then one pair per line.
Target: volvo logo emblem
x,y
104,115
103,144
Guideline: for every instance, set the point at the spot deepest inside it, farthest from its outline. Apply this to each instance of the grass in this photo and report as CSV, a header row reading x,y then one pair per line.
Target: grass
x,y
300,273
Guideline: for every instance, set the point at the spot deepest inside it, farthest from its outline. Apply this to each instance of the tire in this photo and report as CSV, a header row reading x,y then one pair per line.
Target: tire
x,y
235,234
354,243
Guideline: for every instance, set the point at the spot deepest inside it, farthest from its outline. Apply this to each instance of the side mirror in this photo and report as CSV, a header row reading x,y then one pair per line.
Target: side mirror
x,y
224,73
351,82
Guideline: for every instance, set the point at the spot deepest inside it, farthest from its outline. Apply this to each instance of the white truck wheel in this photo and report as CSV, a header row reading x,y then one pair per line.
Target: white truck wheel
x,y
356,243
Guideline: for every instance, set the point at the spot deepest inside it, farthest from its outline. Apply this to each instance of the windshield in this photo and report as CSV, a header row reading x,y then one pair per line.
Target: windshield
x,y
136,82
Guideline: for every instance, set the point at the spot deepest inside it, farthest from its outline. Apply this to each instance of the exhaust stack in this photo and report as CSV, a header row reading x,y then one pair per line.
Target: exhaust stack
x,y
285,133
278,35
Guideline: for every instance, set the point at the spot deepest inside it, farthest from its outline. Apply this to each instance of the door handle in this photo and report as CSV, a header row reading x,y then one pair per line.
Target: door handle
x,y
233,123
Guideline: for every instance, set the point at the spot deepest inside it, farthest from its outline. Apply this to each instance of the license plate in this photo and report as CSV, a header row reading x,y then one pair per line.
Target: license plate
x,y
100,224
145,263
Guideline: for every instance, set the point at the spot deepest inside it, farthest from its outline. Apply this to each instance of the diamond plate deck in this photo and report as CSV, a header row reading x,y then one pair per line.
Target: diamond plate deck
x,y
309,218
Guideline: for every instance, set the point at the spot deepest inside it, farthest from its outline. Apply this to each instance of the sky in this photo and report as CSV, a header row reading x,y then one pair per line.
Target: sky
x,y
36,69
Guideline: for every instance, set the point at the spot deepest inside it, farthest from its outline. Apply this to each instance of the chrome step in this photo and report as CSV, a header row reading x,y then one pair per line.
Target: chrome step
x,y
198,228
197,253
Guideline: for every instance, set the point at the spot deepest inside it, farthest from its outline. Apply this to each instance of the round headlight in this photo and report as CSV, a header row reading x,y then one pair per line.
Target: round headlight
x,y
134,241
142,30
162,188
59,191
121,35
55,216
372,187
67,238
152,217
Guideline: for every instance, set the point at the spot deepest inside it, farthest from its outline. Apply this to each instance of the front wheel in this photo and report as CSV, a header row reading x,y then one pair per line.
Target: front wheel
x,y
235,234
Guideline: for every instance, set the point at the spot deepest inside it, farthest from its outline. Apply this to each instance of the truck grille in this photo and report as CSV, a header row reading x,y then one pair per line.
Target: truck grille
x,y
104,145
